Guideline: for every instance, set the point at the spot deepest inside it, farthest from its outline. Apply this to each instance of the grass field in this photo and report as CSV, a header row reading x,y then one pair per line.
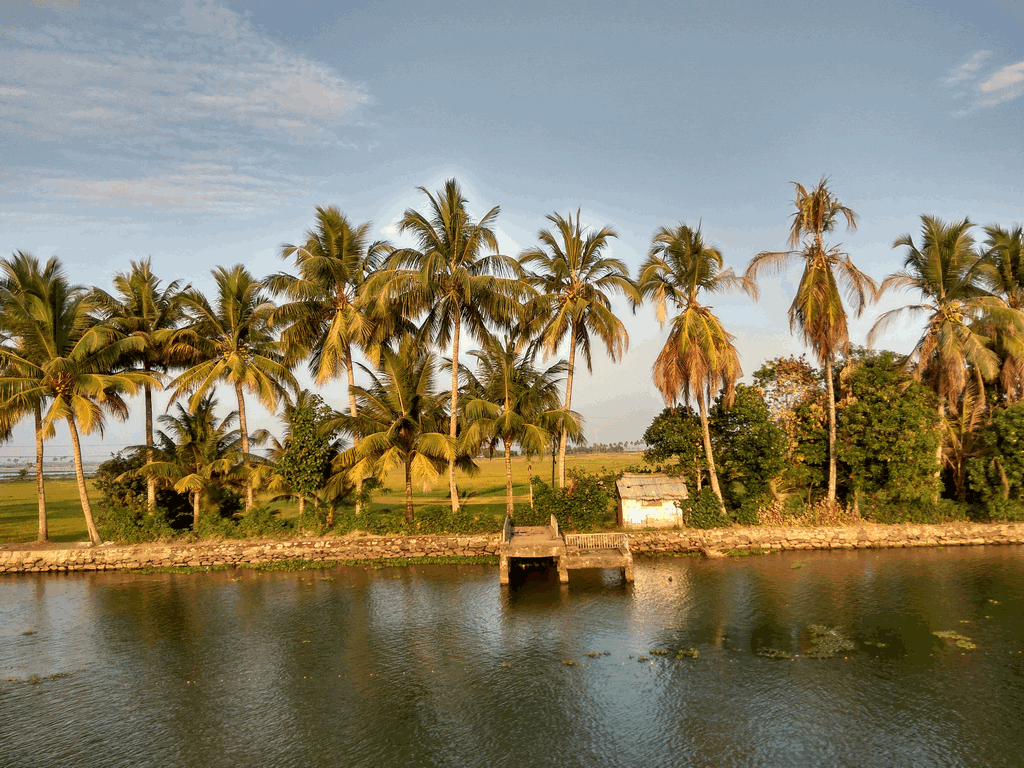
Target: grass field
x,y
484,495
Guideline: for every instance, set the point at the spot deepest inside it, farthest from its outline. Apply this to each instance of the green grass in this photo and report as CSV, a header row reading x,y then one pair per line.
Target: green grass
x,y
484,495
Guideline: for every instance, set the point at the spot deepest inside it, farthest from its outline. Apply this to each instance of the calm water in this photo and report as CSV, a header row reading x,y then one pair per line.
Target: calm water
x,y
437,666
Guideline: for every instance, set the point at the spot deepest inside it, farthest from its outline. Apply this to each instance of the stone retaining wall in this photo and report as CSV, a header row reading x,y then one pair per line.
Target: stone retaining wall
x,y
106,558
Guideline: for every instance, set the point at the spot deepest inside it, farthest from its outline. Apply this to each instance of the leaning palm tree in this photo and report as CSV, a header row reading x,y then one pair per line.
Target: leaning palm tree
x,y
21,275
141,308
817,312
698,358
65,358
400,422
328,312
948,274
511,402
574,280
235,345
1003,273
451,280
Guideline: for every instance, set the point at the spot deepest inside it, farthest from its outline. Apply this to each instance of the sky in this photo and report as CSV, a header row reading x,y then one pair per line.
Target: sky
x,y
204,133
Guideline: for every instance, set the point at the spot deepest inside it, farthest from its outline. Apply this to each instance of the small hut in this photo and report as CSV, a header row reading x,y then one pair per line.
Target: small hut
x,y
649,501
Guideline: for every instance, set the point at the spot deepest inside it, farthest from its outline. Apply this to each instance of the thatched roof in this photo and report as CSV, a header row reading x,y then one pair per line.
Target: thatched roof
x,y
650,487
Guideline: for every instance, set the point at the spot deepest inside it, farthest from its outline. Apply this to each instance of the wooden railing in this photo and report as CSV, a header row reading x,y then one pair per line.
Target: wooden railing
x,y
597,540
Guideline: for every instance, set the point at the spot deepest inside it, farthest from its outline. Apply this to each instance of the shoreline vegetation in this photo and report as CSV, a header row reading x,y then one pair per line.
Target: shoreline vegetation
x,y
856,435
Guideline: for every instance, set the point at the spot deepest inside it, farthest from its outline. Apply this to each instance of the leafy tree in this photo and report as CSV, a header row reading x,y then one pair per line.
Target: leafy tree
x,y
785,383
676,435
751,447
574,280
997,475
235,345
451,281
698,358
305,457
817,311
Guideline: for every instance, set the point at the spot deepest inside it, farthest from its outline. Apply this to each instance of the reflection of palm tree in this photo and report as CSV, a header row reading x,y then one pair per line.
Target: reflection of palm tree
x,y
400,422
235,344
698,358
449,277
817,311
328,312
574,280
66,358
143,310
508,400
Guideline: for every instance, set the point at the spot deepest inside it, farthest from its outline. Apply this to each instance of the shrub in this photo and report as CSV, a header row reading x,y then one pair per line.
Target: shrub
x,y
581,505
116,493
131,523
261,523
702,510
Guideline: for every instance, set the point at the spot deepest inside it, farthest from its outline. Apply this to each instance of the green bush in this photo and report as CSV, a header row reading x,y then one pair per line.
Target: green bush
x,y
131,522
581,505
889,511
262,523
703,510
116,493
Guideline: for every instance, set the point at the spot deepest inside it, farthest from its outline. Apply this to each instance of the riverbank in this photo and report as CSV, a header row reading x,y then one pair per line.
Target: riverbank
x,y
29,558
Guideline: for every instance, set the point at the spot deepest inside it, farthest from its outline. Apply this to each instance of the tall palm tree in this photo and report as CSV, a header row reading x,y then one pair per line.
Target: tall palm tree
x,y
817,312
65,359
143,309
511,402
452,280
698,358
574,280
1003,271
400,422
329,313
235,345
947,272
22,274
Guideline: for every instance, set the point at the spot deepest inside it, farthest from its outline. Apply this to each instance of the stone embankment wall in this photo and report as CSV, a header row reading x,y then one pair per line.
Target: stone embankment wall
x,y
106,558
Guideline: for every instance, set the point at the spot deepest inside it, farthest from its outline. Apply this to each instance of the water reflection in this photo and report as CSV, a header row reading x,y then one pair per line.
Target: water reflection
x,y
435,665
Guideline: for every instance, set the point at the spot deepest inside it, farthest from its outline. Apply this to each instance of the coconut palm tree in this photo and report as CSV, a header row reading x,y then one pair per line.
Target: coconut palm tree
x,y
1003,272
234,344
698,358
328,312
143,309
511,402
194,451
64,359
817,312
400,422
947,272
452,281
574,280
22,275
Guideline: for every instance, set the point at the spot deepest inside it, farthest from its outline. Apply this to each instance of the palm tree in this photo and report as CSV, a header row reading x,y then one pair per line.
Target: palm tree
x,y
574,280
511,402
400,422
234,344
22,275
1003,271
144,310
194,451
451,281
65,358
817,311
698,358
948,273
329,312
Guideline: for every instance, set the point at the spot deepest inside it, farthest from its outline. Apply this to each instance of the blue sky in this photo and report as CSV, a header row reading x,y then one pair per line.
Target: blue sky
x,y
203,133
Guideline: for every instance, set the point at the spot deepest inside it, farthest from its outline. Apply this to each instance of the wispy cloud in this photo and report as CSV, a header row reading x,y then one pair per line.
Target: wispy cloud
x,y
986,90
160,85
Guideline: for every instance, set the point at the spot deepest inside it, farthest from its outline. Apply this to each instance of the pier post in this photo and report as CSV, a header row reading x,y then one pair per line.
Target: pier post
x,y
563,571
503,568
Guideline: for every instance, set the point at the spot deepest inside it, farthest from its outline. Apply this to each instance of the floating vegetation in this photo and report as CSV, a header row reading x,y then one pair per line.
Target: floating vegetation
x,y
660,652
961,641
827,642
504,664
29,632
37,679
597,654
746,552
876,644
569,662
401,562
773,653
794,566
994,602
642,659
687,653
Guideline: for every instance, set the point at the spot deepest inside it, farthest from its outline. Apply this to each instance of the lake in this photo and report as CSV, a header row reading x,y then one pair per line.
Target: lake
x,y
801,659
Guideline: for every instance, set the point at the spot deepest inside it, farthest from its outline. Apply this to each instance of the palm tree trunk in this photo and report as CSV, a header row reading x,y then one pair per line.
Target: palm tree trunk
x,y
90,525
563,434
830,394
150,480
508,478
195,511
44,534
409,516
245,445
712,473
353,412
454,422
302,504
938,451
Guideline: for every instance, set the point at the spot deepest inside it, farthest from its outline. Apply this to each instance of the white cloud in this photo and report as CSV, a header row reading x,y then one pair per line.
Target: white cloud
x,y
968,70
1006,84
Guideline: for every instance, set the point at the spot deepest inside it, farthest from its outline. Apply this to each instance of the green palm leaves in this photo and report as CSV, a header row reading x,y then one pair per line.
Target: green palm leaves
x,y
574,281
